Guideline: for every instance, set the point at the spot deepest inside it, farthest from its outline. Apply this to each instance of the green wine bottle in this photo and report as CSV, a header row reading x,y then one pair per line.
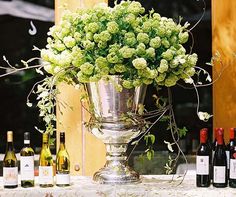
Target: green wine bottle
x,y
27,163
45,164
10,166
62,164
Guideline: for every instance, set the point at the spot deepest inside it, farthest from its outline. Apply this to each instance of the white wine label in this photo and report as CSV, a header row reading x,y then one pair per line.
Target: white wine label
x,y
232,170
219,174
45,175
10,176
202,165
228,158
26,141
62,179
27,168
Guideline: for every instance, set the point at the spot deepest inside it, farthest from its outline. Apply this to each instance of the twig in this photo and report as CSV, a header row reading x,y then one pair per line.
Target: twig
x,y
147,131
204,10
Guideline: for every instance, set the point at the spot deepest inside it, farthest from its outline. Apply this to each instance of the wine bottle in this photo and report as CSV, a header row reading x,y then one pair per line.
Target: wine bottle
x,y
62,164
220,162
232,170
27,163
232,142
214,143
203,161
45,164
10,166
227,148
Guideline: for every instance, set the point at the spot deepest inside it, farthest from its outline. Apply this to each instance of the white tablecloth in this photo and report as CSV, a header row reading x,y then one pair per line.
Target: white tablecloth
x,y
151,186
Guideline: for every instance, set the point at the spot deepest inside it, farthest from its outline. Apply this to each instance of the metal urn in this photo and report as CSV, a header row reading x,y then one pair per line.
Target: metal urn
x,y
116,124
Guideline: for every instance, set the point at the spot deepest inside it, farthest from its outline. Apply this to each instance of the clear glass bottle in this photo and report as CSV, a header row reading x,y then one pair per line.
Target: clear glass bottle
x,y
62,164
27,163
45,164
10,165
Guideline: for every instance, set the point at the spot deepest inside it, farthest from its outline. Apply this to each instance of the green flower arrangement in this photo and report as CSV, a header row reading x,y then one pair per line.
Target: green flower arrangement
x,y
93,44
142,48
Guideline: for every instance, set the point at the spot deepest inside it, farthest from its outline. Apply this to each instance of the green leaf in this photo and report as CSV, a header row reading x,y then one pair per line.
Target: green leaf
x,y
183,131
152,137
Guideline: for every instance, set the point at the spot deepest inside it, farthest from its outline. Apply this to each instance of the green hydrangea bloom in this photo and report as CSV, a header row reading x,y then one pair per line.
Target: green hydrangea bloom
x,y
102,45
190,71
120,68
165,43
130,18
147,26
160,77
127,52
183,37
143,38
127,84
96,38
192,59
87,68
95,78
156,16
82,77
112,27
171,80
151,52
151,73
168,55
77,36
147,81
163,66
89,36
101,62
105,36
155,42
88,45
137,82
59,46
141,49
93,27
112,58
135,8
139,63
69,41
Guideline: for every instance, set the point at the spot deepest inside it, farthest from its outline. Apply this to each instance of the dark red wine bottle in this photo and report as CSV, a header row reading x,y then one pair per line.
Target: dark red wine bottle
x,y
220,162
203,161
232,149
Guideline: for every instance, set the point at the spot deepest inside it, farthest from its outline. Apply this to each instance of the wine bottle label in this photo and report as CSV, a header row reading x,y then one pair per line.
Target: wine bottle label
x,y
219,174
27,168
232,170
10,176
228,158
62,179
45,175
26,141
202,165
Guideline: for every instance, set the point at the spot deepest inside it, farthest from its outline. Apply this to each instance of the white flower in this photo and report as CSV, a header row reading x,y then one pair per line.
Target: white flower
x,y
169,146
204,116
188,80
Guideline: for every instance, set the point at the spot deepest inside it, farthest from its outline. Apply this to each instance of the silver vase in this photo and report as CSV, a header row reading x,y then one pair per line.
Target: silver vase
x,y
117,123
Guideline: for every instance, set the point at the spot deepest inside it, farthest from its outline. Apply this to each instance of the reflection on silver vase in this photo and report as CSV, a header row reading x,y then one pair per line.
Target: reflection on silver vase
x,y
112,111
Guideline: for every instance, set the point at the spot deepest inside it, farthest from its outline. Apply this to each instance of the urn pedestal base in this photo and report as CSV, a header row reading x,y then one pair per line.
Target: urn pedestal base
x,y
116,169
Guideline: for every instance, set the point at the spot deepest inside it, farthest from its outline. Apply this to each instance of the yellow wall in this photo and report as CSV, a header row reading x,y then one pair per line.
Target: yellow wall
x,y
84,149
224,90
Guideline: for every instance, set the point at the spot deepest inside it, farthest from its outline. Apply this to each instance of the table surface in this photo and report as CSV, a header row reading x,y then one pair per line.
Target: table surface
x,y
151,186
